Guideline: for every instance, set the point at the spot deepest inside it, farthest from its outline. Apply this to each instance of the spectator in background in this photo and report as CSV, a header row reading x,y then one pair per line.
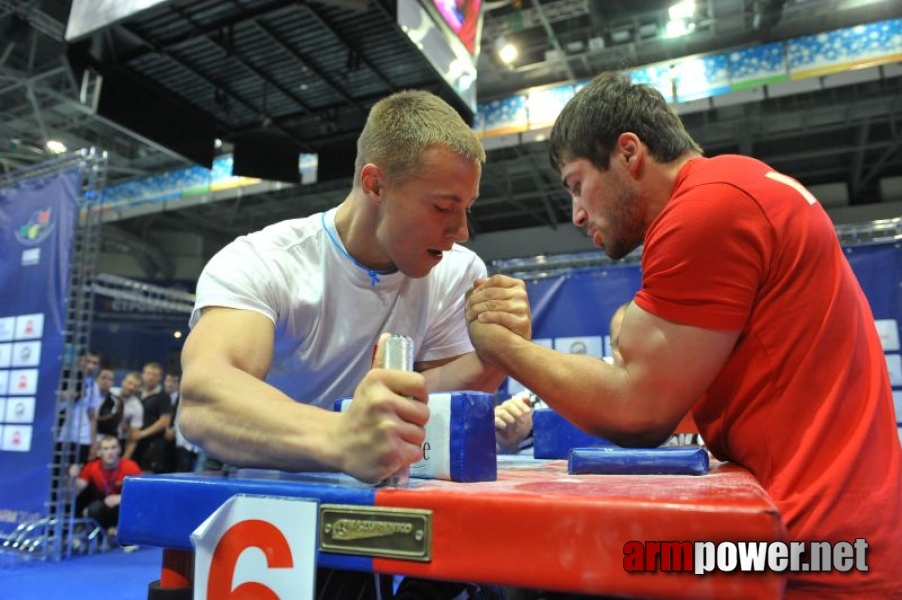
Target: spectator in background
x,y
171,386
184,452
78,433
132,412
99,484
151,450
109,415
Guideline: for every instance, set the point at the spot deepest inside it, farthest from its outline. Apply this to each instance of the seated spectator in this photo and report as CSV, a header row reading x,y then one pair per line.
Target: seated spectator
x,y
99,484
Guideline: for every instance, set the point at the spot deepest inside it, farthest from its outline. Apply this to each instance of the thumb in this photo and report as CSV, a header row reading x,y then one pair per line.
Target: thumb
x,y
379,354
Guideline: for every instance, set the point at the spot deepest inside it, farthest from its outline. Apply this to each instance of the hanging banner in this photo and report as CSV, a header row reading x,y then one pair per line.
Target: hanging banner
x,y
37,222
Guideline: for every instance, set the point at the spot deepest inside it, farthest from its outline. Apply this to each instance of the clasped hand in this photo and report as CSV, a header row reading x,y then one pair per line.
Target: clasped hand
x,y
497,309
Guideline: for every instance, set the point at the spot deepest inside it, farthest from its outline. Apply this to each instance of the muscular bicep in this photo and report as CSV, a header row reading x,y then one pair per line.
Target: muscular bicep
x,y
670,365
227,337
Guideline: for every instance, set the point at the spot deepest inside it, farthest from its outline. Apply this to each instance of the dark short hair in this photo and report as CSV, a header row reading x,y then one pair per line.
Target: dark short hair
x,y
610,105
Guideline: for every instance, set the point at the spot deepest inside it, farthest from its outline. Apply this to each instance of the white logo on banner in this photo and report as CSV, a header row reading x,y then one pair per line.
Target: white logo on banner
x,y
22,382
888,330
31,256
229,558
7,327
6,357
588,344
4,381
19,410
894,366
26,354
29,327
16,438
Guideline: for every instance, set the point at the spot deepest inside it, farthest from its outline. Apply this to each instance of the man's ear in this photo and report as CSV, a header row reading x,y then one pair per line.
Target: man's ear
x,y
371,179
631,150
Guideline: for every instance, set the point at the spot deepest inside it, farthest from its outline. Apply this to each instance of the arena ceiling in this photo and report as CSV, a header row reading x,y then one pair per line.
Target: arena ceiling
x,y
304,74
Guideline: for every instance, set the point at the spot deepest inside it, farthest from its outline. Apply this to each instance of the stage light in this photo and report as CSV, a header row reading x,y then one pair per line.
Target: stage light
x,y
55,147
507,52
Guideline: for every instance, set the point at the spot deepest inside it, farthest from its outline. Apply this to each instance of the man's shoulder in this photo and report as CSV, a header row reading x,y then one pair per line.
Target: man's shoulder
x,y
283,235
731,169
129,467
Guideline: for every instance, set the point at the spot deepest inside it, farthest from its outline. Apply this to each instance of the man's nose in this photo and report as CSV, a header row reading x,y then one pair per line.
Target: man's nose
x,y
579,215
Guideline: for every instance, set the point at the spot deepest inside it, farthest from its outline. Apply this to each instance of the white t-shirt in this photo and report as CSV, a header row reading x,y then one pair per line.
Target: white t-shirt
x,y
77,423
327,314
132,416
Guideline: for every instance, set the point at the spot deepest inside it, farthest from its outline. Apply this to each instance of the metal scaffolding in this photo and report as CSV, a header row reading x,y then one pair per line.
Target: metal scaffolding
x,y
61,531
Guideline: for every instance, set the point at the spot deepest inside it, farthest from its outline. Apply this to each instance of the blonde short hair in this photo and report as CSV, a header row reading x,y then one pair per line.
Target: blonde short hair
x,y
399,127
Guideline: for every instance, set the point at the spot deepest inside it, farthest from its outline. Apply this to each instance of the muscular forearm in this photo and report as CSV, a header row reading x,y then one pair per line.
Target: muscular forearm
x,y
243,421
466,372
596,396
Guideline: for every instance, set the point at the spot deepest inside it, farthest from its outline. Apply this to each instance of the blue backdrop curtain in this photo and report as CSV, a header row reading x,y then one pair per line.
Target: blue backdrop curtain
x,y
37,224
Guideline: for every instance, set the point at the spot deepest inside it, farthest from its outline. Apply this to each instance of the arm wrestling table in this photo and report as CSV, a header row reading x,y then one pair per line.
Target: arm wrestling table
x,y
535,527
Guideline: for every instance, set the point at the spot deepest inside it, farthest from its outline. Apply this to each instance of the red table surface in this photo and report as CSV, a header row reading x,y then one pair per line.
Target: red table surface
x,y
538,527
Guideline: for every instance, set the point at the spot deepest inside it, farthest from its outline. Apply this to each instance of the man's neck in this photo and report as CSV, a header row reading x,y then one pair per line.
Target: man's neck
x,y
355,224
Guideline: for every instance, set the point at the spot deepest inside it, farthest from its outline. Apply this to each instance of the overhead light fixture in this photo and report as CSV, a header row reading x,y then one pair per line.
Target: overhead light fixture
x,y
55,146
677,28
507,51
682,19
682,10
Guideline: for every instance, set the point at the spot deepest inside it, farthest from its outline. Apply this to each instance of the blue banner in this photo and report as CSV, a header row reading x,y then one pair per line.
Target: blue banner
x,y
37,221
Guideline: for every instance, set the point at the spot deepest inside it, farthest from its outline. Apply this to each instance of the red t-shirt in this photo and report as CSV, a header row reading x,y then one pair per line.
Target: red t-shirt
x,y
804,400
108,481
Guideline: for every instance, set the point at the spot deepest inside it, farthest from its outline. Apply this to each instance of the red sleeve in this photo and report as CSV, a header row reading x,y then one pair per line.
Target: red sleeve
x,y
704,258
85,472
130,467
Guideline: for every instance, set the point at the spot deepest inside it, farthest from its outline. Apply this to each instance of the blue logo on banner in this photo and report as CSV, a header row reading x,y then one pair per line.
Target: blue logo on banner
x,y
36,229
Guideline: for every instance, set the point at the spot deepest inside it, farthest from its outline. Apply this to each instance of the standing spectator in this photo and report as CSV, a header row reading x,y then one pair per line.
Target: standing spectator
x,y
101,481
151,450
171,387
109,415
184,452
132,412
79,428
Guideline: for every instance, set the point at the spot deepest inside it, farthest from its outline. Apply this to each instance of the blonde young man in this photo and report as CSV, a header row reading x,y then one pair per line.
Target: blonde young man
x,y
287,318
